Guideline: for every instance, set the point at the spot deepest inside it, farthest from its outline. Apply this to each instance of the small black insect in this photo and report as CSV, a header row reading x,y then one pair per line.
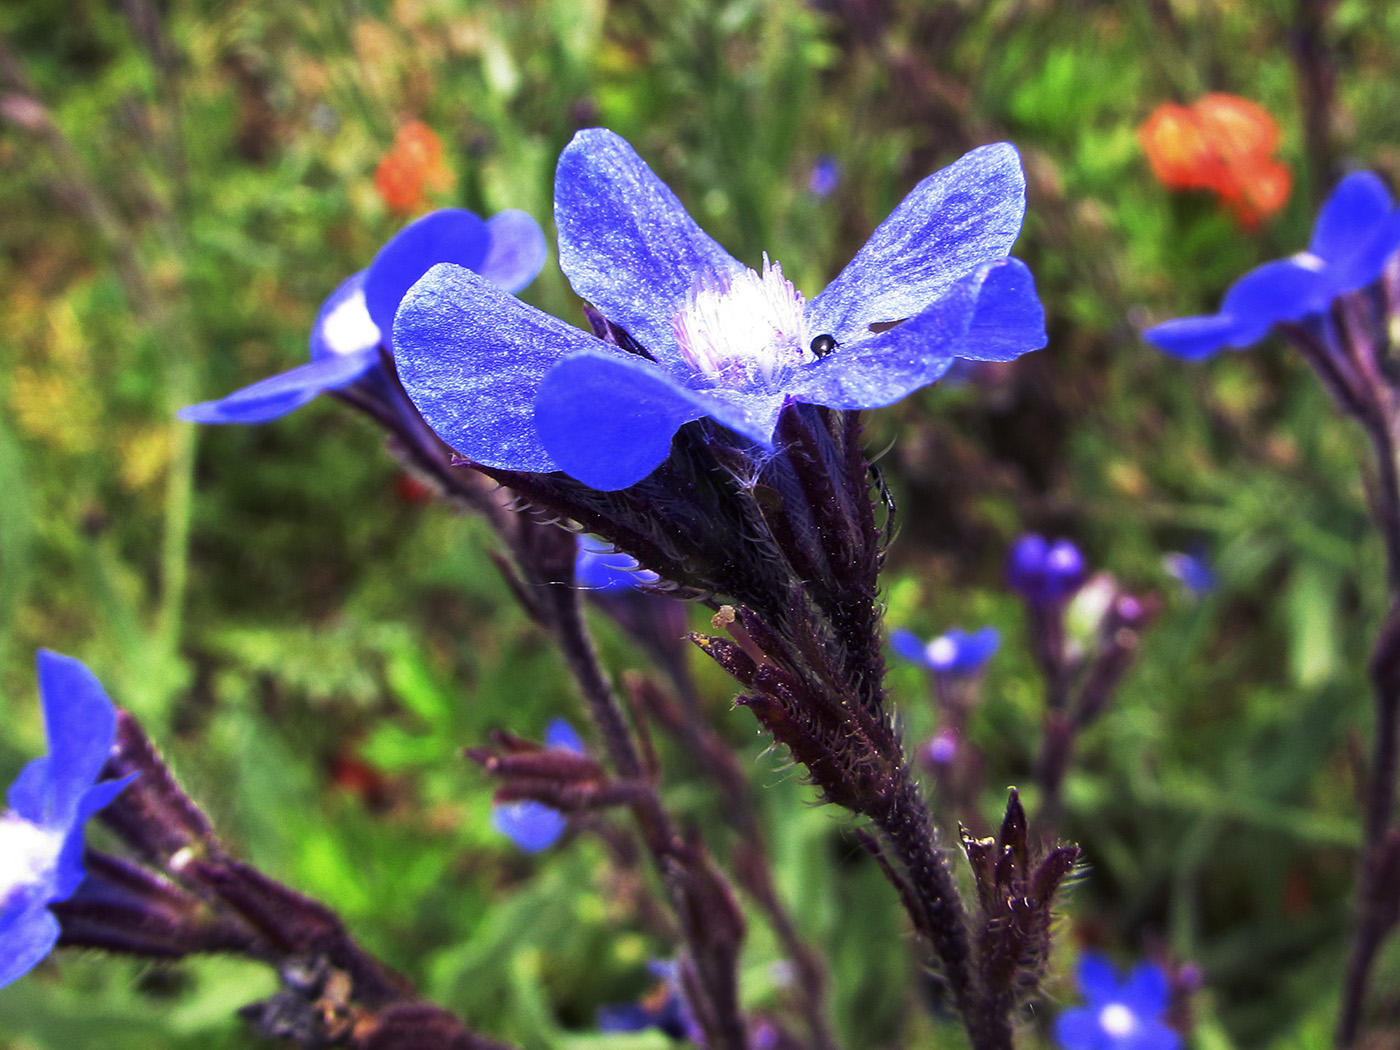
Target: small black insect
x,y
823,345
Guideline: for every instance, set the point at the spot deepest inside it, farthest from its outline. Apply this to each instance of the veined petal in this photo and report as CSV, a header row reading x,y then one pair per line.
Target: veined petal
x,y
452,235
29,937
472,359
607,417
1349,215
627,244
953,221
275,396
518,250
880,369
80,722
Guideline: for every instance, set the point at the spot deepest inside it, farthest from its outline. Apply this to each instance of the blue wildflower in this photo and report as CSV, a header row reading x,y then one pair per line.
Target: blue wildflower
x,y
953,652
516,389
1357,231
41,833
601,567
533,826
508,250
664,1007
1045,573
825,176
1118,1015
1192,571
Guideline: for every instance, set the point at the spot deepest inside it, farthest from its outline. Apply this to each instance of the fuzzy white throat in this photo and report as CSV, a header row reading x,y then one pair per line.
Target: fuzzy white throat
x,y
751,332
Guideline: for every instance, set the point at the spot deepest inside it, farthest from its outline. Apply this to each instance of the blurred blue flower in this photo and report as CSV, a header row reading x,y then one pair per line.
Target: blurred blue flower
x,y
1045,573
664,1007
508,250
41,833
1118,1015
1192,571
953,652
1357,231
601,567
533,826
513,388
825,176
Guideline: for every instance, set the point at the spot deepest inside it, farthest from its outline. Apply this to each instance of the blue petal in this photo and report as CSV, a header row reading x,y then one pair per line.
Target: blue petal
x,y
1009,320
1351,212
275,396
518,250
81,723
70,859
1282,290
532,826
452,235
624,1017
906,644
1146,990
25,942
1368,256
1097,978
975,649
562,735
1153,1035
343,324
880,369
607,417
627,244
472,358
1079,1029
1196,338
952,222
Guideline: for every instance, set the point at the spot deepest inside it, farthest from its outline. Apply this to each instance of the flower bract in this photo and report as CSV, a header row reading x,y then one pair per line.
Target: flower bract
x,y
41,831
533,826
1357,231
516,389
352,325
1124,1014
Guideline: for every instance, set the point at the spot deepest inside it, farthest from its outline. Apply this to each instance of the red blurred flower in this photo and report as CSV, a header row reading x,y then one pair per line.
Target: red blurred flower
x,y
1222,143
412,167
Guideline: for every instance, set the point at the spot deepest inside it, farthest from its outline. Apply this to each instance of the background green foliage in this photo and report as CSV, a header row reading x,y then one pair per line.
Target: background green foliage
x,y
277,612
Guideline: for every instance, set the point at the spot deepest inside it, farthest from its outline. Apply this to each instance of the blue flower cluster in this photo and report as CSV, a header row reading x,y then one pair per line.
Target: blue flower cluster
x,y
516,389
1118,1014
1045,573
1356,233
41,833
533,826
352,325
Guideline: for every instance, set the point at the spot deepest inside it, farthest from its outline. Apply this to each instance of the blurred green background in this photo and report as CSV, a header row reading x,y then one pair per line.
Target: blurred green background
x,y
183,183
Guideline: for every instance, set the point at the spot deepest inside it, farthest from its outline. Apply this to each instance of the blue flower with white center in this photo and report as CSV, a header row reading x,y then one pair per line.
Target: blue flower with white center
x,y
1118,1015
953,652
41,833
1045,573
507,250
516,389
1357,231
533,826
601,567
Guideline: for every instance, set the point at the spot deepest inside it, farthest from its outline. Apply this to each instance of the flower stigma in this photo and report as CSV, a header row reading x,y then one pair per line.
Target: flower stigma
x,y
28,853
752,332
1117,1020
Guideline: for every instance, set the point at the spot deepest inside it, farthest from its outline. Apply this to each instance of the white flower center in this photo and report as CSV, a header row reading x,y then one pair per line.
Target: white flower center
x,y
941,651
751,332
1117,1020
348,327
28,853
1309,261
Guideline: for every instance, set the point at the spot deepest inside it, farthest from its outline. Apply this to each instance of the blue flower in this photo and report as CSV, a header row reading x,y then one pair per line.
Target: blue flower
x,y
600,567
1045,573
953,652
508,250
533,826
1118,1015
664,1007
1357,231
1192,570
41,833
825,176
516,389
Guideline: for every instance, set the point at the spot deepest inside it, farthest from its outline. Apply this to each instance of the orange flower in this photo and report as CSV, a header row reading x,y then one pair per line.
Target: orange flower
x,y
1221,143
414,165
